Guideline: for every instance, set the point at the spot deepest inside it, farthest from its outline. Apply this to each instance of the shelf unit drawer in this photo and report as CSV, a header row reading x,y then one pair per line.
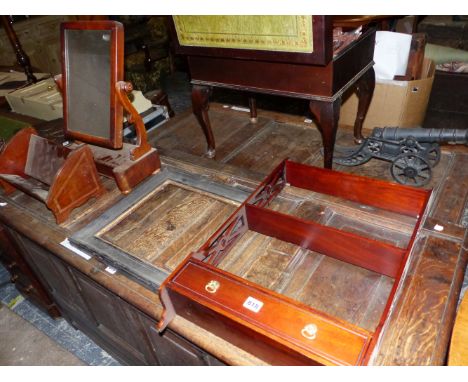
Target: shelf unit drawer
x,y
324,340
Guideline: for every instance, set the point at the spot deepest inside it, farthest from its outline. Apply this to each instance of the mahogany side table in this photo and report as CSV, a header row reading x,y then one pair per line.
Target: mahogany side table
x,y
317,76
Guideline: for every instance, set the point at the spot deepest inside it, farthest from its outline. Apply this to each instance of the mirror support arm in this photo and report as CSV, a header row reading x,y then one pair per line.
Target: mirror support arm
x,y
142,147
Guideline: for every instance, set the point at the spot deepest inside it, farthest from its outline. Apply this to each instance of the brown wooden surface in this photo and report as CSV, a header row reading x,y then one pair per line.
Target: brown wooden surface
x,y
118,164
425,300
458,355
349,347
415,59
400,199
447,106
22,275
122,90
445,182
183,290
366,253
171,222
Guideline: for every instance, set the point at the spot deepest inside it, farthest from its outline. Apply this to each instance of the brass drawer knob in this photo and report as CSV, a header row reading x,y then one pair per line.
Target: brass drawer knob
x,y
310,331
212,286
14,278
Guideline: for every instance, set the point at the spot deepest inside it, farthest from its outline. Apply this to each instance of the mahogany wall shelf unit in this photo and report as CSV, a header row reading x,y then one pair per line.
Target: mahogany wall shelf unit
x,y
274,327
94,98
61,178
255,55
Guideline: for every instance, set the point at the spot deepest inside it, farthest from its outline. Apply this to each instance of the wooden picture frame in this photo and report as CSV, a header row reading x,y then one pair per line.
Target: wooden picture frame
x,y
110,41
275,328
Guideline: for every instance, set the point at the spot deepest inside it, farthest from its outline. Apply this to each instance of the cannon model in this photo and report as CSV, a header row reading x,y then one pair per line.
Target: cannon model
x,y
413,152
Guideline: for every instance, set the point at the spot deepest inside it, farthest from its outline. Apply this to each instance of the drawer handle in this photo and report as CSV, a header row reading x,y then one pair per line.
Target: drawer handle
x,y
212,286
310,331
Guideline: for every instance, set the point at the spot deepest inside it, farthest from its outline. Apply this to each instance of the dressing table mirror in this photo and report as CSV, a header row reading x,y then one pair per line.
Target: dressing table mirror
x,y
95,98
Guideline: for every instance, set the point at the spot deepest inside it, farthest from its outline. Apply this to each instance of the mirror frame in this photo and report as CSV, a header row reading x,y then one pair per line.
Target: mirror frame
x,y
116,71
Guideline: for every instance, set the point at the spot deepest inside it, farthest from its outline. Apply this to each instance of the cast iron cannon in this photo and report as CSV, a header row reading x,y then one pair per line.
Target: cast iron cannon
x,y
412,151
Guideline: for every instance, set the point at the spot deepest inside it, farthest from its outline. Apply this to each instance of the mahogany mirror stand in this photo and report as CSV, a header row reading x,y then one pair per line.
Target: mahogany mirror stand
x,y
95,97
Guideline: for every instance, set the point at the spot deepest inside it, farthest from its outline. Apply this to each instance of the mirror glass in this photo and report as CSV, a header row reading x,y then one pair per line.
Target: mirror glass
x,y
88,87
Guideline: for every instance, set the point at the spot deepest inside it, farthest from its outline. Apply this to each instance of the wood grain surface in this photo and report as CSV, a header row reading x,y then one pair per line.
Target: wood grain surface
x,y
168,225
311,278
421,321
458,355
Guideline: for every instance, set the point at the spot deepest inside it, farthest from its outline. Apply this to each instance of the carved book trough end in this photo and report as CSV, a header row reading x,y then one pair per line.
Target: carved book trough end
x,y
278,329
61,178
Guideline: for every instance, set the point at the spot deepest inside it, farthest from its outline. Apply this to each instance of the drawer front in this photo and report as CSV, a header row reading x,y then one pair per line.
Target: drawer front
x,y
316,336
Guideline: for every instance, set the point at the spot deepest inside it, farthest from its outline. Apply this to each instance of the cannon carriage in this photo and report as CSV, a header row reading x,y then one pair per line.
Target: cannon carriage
x,y
413,152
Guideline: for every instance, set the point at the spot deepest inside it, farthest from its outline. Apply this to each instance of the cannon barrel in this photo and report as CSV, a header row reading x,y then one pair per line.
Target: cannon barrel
x,y
422,135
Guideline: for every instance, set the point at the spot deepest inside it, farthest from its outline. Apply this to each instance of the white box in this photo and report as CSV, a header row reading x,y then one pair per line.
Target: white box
x,y
41,100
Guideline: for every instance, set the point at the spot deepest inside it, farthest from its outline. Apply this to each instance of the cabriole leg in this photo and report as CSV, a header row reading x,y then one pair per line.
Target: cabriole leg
x,y
364,90
200,106
253,109
327,115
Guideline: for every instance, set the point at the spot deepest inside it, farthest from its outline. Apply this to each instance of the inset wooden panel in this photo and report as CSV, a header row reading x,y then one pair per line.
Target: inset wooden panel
x,y
276,142
232,131
172,218
148,233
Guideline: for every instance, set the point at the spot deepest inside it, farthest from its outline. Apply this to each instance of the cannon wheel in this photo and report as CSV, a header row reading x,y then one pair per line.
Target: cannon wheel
x,y
433,154
411,170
